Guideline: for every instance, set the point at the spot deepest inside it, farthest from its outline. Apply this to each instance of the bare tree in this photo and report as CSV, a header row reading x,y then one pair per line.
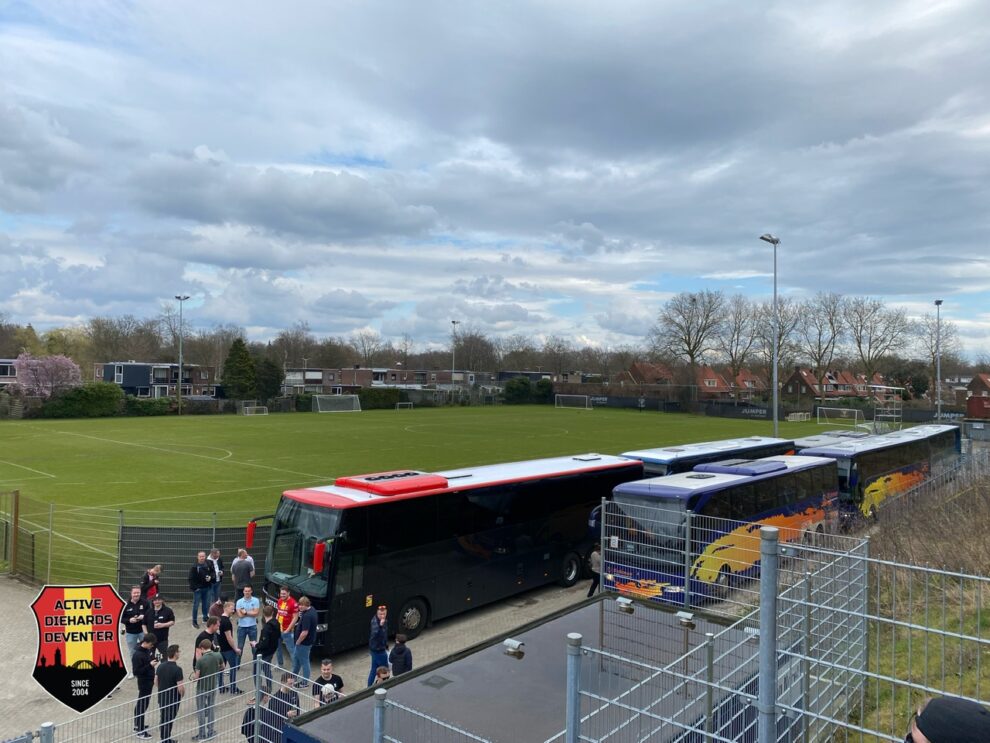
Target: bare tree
x,y
819,331
735,336
124,338
368,344
934,339
295,346
474,350
556,354
517,352
788,314
874,331
687,326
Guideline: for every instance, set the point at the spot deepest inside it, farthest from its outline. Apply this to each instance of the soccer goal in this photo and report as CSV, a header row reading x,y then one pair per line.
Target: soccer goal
x,y
336,404
254,410
403,406
840,417
579,402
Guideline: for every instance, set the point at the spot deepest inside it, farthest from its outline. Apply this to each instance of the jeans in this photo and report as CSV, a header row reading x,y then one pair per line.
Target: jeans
x,y
266,669
205,713
300,661
595,580
215,592
378,658
290,645
231,659
132,645
201,595
140,707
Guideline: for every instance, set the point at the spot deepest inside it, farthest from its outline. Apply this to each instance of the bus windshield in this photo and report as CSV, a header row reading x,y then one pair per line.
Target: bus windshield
x,y
656,522
297,529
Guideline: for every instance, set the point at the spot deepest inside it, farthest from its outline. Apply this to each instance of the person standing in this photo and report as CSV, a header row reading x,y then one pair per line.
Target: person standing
x,y
209,633
170,691
217,565
228,648
149,582
242,571
248,611
209,666
288,613
200,582
267,644
144,665
595,562
378,642
162,618
305,632
401,657
327,685
135,617
216,608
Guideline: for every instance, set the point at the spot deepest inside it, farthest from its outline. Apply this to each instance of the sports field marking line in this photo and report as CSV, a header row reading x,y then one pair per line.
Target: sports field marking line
x,y
37,472
26,479
42,527
189,454
201,495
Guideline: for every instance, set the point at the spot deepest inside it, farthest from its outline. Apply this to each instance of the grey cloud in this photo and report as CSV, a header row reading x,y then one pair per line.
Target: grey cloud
x,y
331,206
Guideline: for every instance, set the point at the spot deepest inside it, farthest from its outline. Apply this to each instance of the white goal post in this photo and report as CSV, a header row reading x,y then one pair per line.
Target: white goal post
x,y
840,417
254,410
578,402
336,404
403,406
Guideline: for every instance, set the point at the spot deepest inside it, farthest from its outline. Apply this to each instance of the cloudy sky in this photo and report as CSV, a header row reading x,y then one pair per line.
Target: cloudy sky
x,y
539,168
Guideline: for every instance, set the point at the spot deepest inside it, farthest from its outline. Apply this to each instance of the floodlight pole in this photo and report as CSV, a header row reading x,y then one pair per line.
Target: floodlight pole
x,y
938,359
178,386
776,330
453,355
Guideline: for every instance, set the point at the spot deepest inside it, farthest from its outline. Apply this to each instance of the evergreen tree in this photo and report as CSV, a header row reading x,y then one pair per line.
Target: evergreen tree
x,y
238,373
268,379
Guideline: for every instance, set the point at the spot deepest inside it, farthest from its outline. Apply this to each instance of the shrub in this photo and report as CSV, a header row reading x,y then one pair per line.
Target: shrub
x,y
372,399
147,405
92,400
518,391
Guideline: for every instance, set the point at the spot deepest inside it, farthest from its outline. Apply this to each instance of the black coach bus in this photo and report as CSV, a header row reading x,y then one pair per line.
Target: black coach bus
x,y
431,545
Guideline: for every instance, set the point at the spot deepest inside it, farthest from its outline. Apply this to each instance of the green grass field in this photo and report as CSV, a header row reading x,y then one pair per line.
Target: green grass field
x,y
219,463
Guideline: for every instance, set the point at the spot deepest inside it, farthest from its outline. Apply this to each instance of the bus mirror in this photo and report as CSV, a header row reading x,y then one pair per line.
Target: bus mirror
x,y
249,538
319,552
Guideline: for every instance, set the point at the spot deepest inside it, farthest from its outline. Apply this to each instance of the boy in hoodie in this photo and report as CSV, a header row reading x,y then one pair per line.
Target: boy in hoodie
x,y
401,657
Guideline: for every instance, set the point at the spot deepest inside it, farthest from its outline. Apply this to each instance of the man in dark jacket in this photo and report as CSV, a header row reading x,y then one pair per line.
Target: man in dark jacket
x,y
136,621
378,642
327,685
201,583
144,665
267,644
401,656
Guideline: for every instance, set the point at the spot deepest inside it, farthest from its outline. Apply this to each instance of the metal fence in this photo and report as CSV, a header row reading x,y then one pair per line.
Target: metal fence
x,y
397,723
52,543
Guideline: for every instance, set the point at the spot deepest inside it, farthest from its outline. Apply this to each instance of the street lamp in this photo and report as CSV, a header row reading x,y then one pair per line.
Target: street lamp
x,y
178,387
938,359
776,327
453,356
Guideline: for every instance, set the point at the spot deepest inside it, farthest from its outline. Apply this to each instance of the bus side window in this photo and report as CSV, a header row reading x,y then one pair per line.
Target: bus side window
x,y
804,480
355,528
787,489
350,573
766,496
817,480
402,525
743,503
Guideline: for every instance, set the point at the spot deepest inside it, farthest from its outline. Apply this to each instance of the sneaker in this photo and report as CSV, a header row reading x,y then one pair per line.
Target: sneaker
x,y
223,689
195,624
143,734
237,691
301,684
129,676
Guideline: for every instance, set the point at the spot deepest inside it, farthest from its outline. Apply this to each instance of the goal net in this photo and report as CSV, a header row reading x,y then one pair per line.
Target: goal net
x,y
580,402
403,406
254,410
336,403
840,417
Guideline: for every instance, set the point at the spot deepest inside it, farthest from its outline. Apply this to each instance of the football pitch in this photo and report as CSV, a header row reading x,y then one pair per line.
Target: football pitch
x,y
243,463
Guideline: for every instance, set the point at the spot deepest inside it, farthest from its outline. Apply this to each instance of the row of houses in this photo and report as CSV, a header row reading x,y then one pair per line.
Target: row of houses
x,y
160,379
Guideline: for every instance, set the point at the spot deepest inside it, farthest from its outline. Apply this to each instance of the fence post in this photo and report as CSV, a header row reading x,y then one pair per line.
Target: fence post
x,y
573,727
378,736
15,520
806,652
51,532
47,732
687,560
767,699
213,535
120,545
257,696
710,683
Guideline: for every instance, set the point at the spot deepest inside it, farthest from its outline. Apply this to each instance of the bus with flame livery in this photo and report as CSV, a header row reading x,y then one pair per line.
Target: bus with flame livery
x,y
700,529
431,545
875,468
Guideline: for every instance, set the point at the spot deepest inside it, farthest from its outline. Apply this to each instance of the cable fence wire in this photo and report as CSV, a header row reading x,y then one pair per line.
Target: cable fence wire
x,y
258,715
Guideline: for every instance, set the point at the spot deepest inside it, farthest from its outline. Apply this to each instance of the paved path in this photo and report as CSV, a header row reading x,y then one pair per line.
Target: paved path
x,y
25,705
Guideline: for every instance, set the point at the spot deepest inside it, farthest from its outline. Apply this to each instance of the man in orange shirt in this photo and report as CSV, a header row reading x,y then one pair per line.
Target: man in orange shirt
x,y
287,611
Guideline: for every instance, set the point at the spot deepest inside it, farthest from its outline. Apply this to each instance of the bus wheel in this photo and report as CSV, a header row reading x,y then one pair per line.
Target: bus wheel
x,y
570,569
413,617
722,583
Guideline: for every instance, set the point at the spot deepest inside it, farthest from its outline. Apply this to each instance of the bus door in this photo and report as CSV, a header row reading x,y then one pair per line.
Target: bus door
x,y
350,605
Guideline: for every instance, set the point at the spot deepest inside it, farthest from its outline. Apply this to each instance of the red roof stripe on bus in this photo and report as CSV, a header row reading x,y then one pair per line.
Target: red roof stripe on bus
x,y
397,482
317,497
